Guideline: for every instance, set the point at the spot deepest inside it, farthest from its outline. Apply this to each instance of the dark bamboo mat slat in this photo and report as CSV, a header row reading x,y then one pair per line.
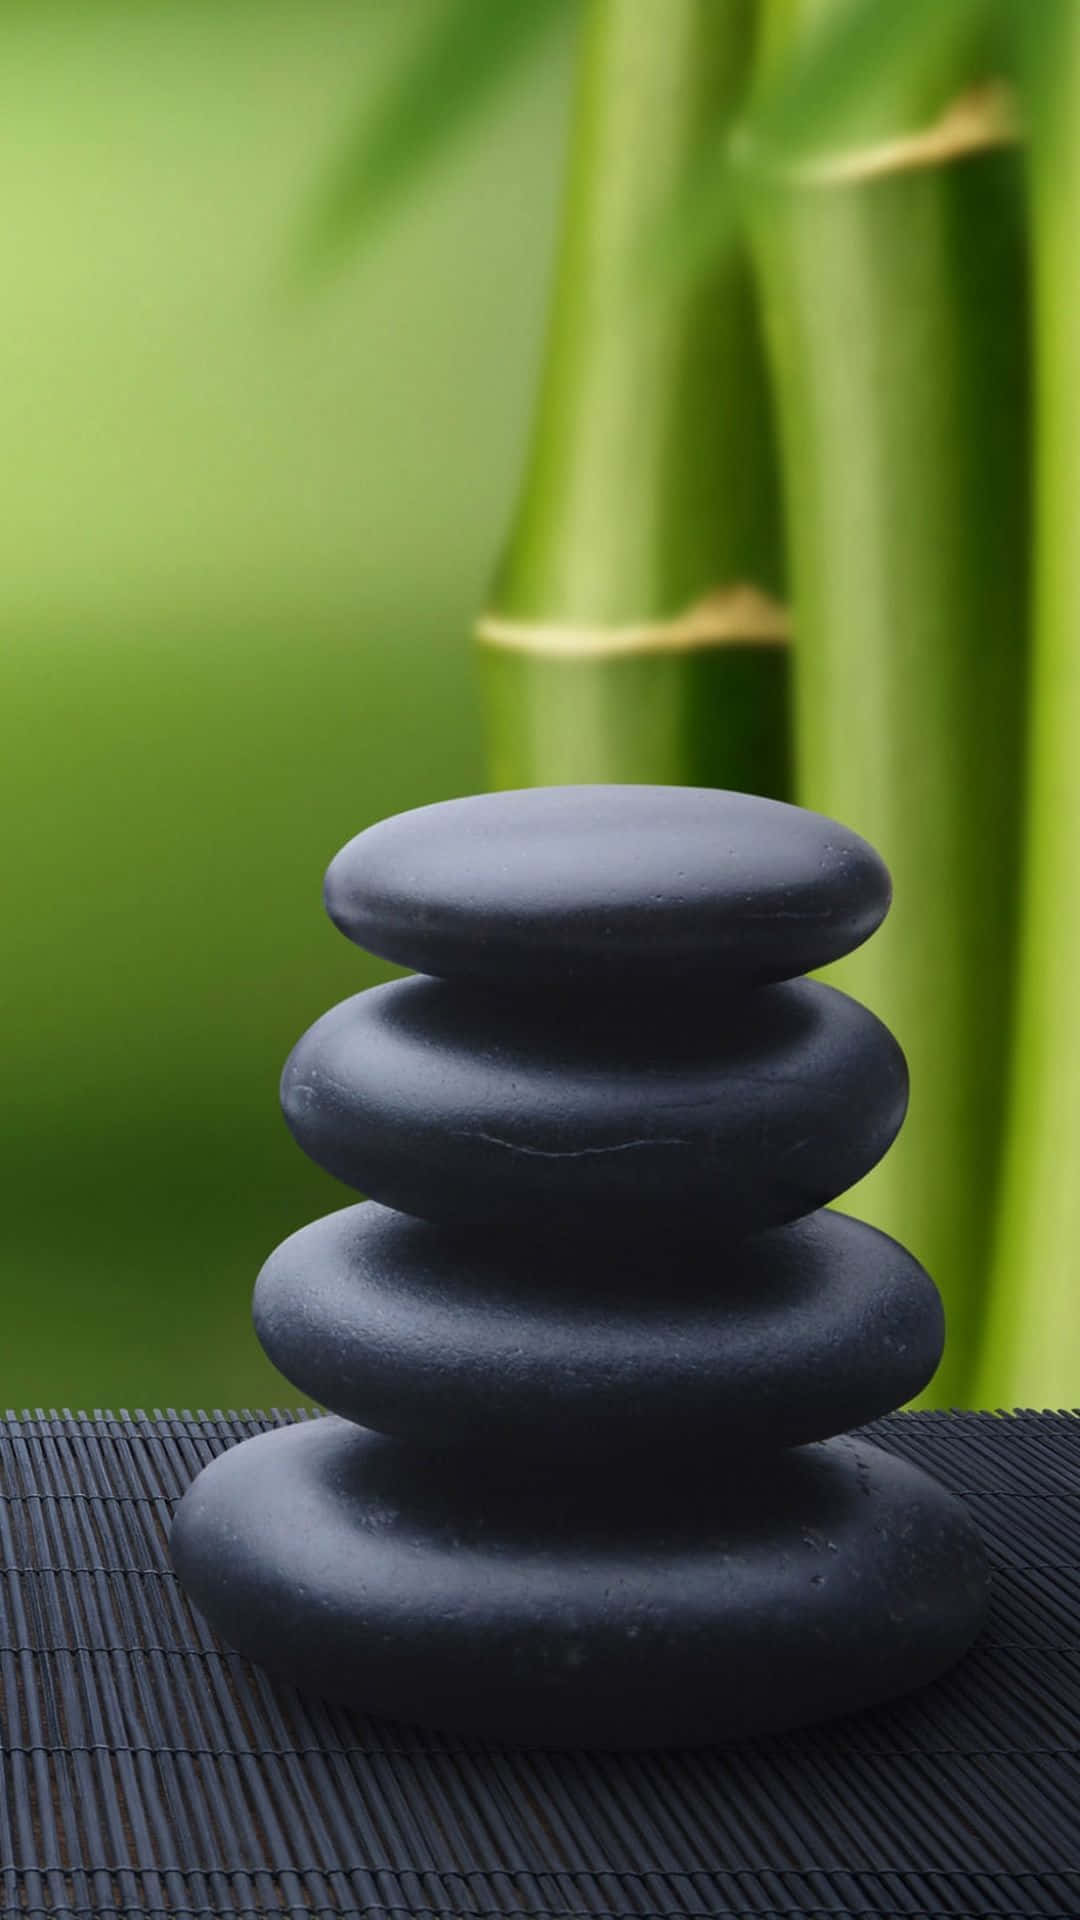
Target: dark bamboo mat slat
x,y
146,1770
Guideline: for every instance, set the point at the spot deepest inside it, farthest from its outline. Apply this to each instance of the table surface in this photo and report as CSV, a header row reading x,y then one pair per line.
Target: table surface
x,y
149,1771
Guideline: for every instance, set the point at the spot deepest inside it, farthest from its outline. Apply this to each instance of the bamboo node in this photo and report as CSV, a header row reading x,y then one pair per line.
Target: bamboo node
x,y
738,615
977,121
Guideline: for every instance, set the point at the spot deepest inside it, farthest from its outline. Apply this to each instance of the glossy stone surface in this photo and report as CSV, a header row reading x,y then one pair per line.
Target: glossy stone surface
x,y
596,1307
608,884
552,1345
463,1105
605,1611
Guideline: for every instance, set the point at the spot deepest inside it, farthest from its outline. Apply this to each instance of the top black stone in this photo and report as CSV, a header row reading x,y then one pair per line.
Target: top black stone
x,y
608,884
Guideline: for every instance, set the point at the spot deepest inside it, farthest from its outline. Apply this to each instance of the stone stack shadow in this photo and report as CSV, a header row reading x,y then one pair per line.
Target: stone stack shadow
x,y
592,1348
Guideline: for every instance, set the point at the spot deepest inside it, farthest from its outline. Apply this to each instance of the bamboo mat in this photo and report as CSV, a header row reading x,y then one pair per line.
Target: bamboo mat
x,y
145,1770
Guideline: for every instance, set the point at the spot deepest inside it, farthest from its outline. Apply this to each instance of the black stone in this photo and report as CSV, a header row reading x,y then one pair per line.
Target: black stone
x,y
551,1346
460,1105
608,883
603,1610
595,1303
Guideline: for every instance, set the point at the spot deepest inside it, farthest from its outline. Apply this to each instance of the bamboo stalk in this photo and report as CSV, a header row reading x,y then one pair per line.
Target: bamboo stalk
x,y
1032,1354
649,492
894,300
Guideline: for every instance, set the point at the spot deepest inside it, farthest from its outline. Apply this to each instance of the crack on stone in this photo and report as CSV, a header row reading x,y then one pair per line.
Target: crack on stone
x,y
570,1153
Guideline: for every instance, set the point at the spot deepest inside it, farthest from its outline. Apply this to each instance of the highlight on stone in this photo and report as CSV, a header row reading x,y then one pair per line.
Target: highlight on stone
x,y
593,1343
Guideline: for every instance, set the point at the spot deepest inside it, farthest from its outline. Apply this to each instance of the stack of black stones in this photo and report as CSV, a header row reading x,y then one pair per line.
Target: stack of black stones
x,y
592,1346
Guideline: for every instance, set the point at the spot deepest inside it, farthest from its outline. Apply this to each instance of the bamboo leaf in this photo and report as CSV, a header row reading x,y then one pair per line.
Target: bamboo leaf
x,y
470,50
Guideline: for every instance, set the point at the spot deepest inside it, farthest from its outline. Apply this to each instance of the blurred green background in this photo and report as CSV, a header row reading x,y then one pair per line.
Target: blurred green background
x,y
244,527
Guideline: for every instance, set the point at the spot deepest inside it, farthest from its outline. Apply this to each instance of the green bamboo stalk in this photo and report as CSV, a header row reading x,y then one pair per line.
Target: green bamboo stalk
x,y
894,299
649,487
1032,1354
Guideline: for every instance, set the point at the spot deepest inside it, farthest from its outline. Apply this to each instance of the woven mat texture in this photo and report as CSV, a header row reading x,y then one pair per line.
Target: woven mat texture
x,y
146,1770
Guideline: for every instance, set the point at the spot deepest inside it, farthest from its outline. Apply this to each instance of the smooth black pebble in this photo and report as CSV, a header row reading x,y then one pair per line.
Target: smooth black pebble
x,y
460,1105
617,1610
609,884
547,1346
596,1305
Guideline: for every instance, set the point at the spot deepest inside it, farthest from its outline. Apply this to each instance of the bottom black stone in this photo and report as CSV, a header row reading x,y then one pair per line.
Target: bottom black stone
x,y
592,1611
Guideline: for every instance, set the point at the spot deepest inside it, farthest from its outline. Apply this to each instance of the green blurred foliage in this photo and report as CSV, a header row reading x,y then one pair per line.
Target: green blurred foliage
x,y
243,528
